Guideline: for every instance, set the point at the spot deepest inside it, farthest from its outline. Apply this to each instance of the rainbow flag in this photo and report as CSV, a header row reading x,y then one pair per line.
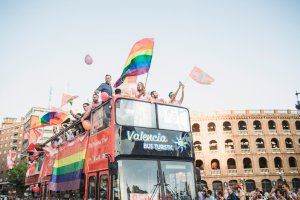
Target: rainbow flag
x,y
68,165
138,61
50,118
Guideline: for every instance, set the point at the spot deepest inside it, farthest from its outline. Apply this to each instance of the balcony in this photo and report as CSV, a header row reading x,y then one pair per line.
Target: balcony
x,y
272,132
290,150
230,151
261,150
294,170
286,132
227,132
245,151
264,170
13,145
298,132
213,151
275,150
215,172
248,171
243,132
232,171
278,171
212,132
197,153
258,132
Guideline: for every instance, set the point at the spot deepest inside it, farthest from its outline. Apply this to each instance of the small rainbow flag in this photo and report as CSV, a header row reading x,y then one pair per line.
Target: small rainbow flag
x,y
50,118
68,165
138,61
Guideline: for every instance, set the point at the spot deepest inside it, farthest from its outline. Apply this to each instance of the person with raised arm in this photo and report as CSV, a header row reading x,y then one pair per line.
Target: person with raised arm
x,y
173,96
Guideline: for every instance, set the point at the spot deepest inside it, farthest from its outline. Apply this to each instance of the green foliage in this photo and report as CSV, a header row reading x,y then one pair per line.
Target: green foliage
x,y
16,176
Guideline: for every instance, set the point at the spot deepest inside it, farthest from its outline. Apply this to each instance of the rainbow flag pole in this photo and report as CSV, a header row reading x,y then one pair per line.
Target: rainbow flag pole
x,y
138,61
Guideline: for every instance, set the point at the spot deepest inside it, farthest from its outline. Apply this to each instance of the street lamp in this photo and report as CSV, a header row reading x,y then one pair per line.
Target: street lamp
x,y
298,103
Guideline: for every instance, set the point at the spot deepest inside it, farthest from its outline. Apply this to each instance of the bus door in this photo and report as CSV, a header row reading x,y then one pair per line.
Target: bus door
x,y
91,186
103,186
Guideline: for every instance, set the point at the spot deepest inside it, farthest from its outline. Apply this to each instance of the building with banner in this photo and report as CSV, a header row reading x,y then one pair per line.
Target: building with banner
x,y
255,147
11,134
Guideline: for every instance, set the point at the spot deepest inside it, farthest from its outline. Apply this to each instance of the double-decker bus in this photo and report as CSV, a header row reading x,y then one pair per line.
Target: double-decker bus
x,y
137,150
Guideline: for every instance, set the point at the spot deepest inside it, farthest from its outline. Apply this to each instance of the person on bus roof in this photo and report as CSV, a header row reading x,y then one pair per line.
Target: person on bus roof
x,y
154,97
173,95
105,87
141,91
94,104
79,115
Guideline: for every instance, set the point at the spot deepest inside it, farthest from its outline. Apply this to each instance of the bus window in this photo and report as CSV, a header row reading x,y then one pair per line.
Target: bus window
x,y
103,187
101,118
135,113
92,188
115,189
178,179
173,118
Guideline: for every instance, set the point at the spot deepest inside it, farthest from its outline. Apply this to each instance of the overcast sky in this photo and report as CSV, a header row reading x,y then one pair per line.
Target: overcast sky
x,y
251,48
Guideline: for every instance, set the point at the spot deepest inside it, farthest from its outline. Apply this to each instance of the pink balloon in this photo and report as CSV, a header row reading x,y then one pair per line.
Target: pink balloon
x,y
104,96
88,60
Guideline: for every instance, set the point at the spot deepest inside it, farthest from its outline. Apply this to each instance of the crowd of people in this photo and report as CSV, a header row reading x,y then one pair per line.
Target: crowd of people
x,y
106,88
280,192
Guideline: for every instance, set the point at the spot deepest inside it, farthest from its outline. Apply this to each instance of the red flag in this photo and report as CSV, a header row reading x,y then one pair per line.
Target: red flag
x,y
31,147
200,76
66,98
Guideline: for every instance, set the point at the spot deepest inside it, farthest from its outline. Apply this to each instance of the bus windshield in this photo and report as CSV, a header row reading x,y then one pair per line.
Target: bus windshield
x,y
143,114
148,179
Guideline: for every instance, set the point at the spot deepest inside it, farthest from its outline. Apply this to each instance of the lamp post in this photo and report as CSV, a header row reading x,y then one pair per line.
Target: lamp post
x,y
297,106
281,172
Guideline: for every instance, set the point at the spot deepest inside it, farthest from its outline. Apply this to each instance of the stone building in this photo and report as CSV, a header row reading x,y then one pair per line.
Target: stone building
x,y
255,147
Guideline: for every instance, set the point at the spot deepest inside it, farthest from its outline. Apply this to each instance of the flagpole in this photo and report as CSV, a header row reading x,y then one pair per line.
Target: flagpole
x,y
146,80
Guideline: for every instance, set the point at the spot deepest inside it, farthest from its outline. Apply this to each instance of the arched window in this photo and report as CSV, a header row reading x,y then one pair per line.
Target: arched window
x,y
296,183
274,143
263,162
229,144
226,126
199,164
213,145
244,144
260,143
215,164
266,185
203,184
289,143
257,125
285,125
242,125
196,127
217,186
292,162
277,162
211,127
247,163
250,185
233,184
272,125
231,163
197,146
297,124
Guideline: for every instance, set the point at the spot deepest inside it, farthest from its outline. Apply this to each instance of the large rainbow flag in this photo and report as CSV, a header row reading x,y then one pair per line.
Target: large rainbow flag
x,y
138,61
68,165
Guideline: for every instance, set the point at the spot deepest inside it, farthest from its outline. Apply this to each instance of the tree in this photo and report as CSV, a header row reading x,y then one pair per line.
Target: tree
x,y
16,176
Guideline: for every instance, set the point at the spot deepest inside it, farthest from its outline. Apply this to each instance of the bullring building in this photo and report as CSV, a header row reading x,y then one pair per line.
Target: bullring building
x,y
255,147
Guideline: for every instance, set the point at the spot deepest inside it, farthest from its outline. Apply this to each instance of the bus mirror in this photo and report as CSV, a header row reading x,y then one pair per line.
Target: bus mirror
x,y
113,166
